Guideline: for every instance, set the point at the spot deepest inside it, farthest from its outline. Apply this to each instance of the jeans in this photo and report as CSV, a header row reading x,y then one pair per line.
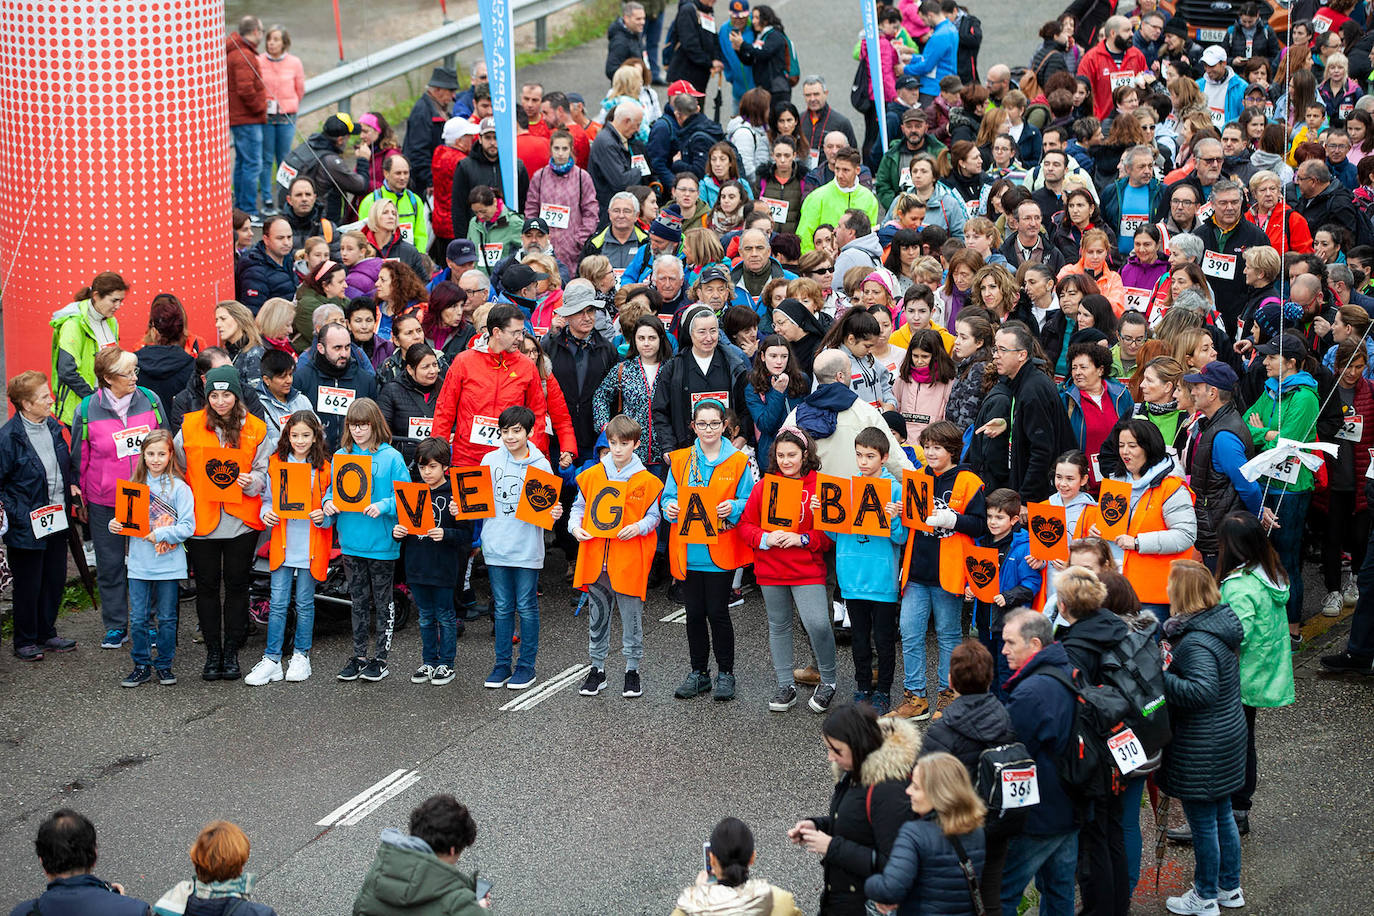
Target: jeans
x,y
918,602
1241,799
278,136
815,616
600,595
438,624
1001,669
38,590
653,42
227,559
873,623
151,600
110,573
278,602
1291,509
515,590
371,585
1216,846
247,165
1130,828
707,597
1052,860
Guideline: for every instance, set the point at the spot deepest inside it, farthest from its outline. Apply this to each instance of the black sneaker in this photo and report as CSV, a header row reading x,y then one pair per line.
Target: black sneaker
x,y
594,684
632,688
351,670
725,687
141,674
784,699
694,685
374,670
165,677
820,700
1345,662
736,597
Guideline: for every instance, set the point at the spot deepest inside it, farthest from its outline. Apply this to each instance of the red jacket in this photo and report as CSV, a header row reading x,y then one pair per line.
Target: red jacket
x,y
1299,235
247,91
443,165
786,565
1097,65
480,384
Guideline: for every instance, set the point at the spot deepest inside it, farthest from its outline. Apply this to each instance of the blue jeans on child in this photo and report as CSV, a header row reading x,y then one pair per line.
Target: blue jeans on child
x,y
153,600
279,599
1216,846
438,624
1053,860
515,590
918,603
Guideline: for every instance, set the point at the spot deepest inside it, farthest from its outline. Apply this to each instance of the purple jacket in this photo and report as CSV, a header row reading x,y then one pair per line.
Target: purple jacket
x,y
94,448
1135,275
574,191
362,277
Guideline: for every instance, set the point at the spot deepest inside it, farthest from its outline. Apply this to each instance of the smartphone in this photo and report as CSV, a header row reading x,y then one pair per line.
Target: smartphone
x,y
706,857
483,888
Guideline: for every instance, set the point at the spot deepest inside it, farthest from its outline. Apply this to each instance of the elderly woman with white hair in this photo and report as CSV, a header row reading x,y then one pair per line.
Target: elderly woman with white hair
x,y
1286,228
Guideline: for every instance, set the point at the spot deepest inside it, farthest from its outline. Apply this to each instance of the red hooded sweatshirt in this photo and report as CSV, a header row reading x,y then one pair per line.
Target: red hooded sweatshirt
x,y
785,565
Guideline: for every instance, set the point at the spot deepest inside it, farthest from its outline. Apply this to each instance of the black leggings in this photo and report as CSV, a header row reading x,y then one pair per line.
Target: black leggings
x,y
1102,873
39,576
1241,799
707,597
1347,531
878,619
229,560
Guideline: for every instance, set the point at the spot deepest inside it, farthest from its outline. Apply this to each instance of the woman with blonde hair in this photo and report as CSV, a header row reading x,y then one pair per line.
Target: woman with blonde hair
x,y
701,246
239,336
597,268
630,83
1194,348
994,288
274,321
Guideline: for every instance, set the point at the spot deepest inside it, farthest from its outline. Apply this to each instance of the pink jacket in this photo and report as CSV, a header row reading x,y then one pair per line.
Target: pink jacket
x,y
574,191
285,81
911,19
887,55
920,405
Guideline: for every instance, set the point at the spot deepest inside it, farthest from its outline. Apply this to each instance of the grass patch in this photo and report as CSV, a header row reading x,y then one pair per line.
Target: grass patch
x,y
74,601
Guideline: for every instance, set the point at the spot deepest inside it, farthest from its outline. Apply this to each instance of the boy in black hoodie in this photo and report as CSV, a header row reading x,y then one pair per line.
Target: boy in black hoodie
x,y
1018,582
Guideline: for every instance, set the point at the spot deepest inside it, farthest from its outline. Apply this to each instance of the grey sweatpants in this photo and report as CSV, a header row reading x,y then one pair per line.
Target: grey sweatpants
x,y
599,598
814,609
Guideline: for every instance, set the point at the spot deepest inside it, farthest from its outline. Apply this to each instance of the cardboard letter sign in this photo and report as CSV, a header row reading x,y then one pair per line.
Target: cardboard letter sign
x,y
352,482
131,507
472,492
538,497
782,503
222,467
696,516
870,501
916,499
833,514
290,482
1049,536
1115,506
980,571
604,513
414,507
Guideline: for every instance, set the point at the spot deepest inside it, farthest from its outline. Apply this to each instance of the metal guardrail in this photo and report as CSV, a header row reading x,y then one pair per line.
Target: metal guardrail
x,y
339,85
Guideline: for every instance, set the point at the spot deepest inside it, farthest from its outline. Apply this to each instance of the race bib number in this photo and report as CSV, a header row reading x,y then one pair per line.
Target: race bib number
x,y
708,22
1127,751
407,232
1321,24
1121,78
48,520
335,401
1097,466
1345,110
1204,211
1352,428
619,274
813,159
1215,264
778,209
1131,222
128,441
1218,117
485,432
491,253
721,397
1137,299
421,427
1287,472
639,162
1249,47
971,207
1369,471
285,175
1020,788
557,217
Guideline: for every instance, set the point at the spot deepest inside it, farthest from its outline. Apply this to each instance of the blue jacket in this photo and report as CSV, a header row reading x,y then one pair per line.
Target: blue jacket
x,y
699,555
1235,93
82,895
661,147
1019,583
314,371
938,60
258,278
768,411
144,562
741,77
641,266
870,568
359,535
24,484
1073,402
923,873
1041,711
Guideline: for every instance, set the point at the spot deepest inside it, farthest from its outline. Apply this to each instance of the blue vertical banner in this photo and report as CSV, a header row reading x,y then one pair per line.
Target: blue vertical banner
x,y
869,10
498,42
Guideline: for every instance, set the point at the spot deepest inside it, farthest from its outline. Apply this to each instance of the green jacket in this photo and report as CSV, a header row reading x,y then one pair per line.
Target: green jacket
x,y
1299,414
1266,659
504,232
73,356
888,182
827,204
407,878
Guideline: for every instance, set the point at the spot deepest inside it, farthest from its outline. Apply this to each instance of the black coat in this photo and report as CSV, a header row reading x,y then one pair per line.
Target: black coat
x,y
770,63
696,46
621,45
1087,640
424,133
258,278
1040,433
1333,205
601,356
1233,293
971,724
24,483
314,372
401,401
164,370
988,455
679,379
476,169
1041,710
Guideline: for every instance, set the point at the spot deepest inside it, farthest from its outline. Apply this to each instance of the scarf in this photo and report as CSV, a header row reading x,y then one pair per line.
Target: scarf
x,y
280,343
119,405
721,223
496,215
1159,410
921,375
563,169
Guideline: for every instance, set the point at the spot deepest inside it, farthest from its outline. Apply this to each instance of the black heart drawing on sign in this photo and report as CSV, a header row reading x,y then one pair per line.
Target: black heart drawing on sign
x,y
980,571
222,473
540,494
1047,531
1114,508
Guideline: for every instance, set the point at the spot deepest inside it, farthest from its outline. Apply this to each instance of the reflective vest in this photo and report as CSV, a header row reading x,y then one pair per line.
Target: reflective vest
x,y
627,562
1086,519
1149,572
953,546
729,551
195,438
321,539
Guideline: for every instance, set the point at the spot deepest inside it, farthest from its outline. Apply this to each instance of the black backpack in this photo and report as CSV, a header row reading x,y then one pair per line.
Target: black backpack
x,y
1131,698
1085,767
1005,816
858,90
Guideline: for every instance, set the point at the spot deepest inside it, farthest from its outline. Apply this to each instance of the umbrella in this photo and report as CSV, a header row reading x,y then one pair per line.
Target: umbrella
x,y
719,100
1161,835
79,555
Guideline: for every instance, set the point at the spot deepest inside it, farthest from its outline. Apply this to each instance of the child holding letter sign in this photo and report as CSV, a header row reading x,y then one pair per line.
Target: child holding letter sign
x,y
157,562
1018,580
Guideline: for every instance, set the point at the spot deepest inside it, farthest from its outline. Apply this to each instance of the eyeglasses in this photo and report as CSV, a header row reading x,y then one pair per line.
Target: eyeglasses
x,y
132,373
1003,351
1210,160
1134,340
360,426
708,424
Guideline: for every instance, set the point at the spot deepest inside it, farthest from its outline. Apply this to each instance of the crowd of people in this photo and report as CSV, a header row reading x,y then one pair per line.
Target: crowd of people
x,y
1112,300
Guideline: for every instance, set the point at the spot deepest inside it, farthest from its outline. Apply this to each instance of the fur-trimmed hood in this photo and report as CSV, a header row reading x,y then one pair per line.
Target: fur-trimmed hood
x,y
896,757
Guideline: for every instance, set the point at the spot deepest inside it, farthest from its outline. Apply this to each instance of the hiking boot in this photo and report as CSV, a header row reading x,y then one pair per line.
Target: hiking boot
x,y
1190,904
914,706
808,676
214,659
1332,604
881,702
784,699
442,675
594,684
1345,662
694,685
141,674
944,699
374,670
351,670
632,686
229,668
29,653
725,688
822,698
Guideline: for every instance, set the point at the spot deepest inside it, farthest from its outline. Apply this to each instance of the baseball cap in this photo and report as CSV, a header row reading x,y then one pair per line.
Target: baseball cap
x,y
914,113
1294,347
488,126
739,7
908,82
575,98
518,276
340,125
461,251
1214,55
536,223
455,128
714,272
682,86
1217,374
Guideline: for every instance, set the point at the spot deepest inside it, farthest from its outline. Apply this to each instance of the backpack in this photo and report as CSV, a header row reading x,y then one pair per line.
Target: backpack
x,y
696,143
793,69
1084,765
858,90
1006,782
1131,699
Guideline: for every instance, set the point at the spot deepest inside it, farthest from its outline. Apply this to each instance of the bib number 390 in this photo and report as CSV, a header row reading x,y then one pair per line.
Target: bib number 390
x,y
1127,751
1020,789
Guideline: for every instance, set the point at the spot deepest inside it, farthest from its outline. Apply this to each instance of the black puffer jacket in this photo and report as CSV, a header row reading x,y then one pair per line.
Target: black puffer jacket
x,y
562,349
971,724
1089,638
1206,759
164,370
400,402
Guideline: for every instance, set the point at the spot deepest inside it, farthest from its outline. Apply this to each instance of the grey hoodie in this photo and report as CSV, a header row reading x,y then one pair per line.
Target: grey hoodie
x,y
652,517
865,251
507,541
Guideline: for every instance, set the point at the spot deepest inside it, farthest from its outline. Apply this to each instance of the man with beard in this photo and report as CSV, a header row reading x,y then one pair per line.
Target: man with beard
x,y
332,379
1112,62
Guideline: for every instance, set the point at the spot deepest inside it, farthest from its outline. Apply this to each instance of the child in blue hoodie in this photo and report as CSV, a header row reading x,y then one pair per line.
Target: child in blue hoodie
x,y
514,549
365,538
1018,582
157,561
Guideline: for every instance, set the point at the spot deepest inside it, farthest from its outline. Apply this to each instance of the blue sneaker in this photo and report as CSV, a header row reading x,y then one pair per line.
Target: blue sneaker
x,y
881,702
499,676
863,696
522,678
141,674
114,639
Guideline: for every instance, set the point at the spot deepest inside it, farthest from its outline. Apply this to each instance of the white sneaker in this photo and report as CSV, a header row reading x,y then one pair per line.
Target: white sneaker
x,y
1351,593
299,669
1232,899
1332,604
1190,904
264,672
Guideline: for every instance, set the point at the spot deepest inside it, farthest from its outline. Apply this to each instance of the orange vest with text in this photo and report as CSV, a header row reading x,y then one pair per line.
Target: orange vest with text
x,y
626,562
321,539
729,551
195,438
1149,572
952,548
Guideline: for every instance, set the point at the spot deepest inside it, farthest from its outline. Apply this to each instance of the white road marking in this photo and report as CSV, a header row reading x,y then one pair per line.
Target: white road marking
x,y
361,799
396,788
577,675
677,616
563,679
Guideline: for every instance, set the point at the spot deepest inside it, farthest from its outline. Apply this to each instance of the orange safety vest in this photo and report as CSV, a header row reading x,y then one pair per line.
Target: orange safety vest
x,y
1086,519
1149,572
321,539
966,486
627,562
194,437
729,551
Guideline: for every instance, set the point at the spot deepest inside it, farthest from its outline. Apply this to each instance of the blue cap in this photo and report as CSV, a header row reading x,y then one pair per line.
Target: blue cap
x,y
1217,374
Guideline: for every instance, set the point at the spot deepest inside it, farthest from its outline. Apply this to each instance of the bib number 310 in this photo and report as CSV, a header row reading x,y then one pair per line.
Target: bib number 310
x,y
1127,751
